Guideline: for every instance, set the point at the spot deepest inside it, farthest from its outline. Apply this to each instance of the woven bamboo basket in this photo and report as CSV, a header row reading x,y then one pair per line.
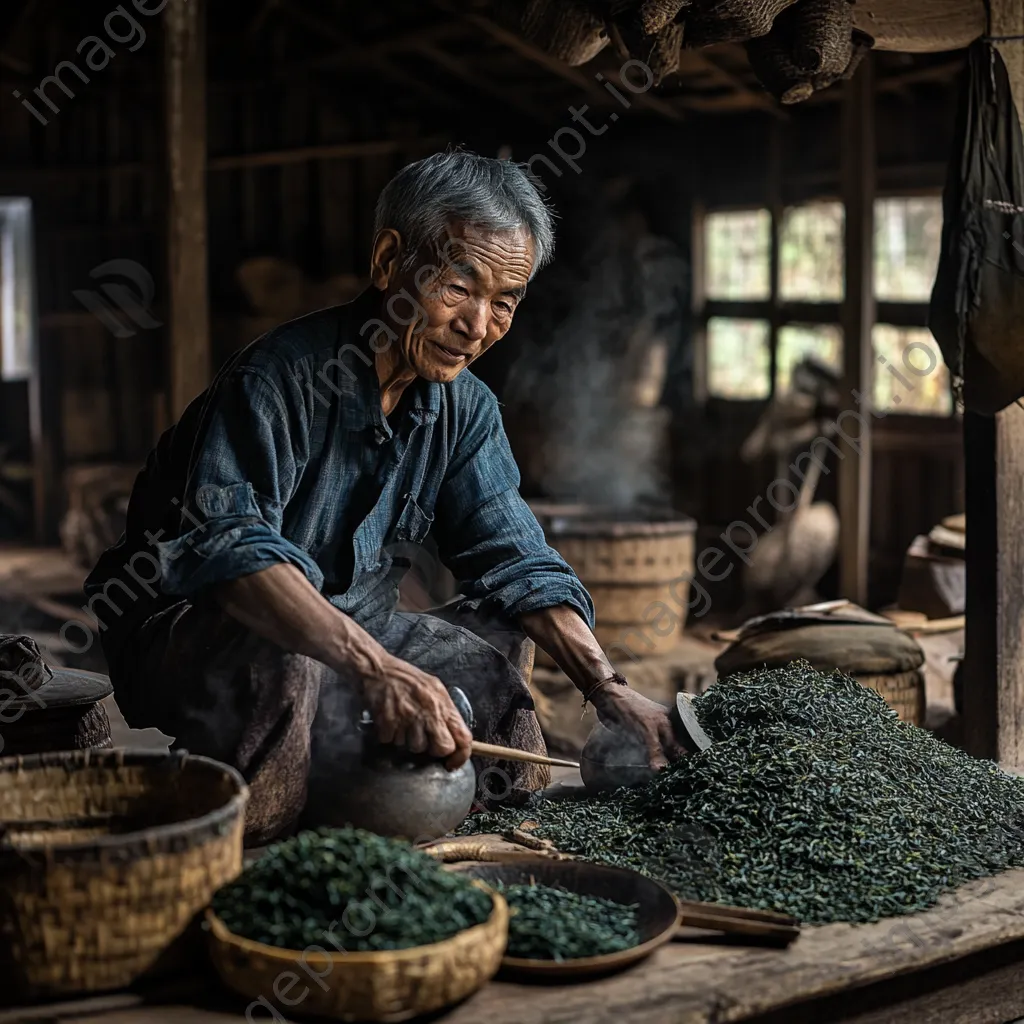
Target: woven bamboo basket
x,y
105,858
904,692
391,985
637,570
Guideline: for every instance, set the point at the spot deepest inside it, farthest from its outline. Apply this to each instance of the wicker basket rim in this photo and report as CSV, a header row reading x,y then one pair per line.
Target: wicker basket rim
x,y
222,934
126,757
567,527
635,585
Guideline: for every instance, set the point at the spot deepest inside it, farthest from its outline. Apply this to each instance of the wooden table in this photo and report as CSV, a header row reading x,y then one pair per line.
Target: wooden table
x,y
961,963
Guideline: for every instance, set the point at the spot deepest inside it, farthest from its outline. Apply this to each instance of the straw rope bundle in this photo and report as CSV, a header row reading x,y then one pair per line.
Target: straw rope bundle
x,y
810,46
731,21
567,29
105,857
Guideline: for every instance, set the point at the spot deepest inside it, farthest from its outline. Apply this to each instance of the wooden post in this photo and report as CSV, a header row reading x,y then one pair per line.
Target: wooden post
x,y
778,210
994,484
858,185
188,301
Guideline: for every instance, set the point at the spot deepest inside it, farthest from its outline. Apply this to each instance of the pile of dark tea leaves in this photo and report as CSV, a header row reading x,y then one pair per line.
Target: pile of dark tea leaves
x,y
552,923
814,800
350,889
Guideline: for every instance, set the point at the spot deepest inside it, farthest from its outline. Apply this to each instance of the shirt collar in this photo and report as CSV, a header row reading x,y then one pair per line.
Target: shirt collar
x,y
359,326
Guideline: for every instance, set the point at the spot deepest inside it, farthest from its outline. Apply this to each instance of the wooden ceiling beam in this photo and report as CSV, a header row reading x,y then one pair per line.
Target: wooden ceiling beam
x,y
536,55
900,81
403,76
755,99
724,104
12,15
352,51
376,56
260,17
509,96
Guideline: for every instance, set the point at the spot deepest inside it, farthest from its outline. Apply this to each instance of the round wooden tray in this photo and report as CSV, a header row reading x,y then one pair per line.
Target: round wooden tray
x,y
388,986
658,911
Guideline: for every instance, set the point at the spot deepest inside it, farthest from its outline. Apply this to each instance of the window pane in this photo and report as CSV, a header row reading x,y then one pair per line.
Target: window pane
x,y
811,253
913,378
738,358
823,342
738,254
908,235
17,289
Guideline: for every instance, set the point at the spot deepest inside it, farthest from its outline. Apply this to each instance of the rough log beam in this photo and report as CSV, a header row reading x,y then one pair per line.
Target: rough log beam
x,y
758,100
376,55
478,82
994,467
858,186
349,52
899,83
188,301
552,64
304,154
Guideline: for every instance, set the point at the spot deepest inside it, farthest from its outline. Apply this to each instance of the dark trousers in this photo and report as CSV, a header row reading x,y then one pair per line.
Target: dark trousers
x,y
220,690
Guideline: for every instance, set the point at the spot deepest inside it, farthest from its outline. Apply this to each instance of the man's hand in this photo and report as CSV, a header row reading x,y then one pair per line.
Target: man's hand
x,y
567,638
619,707
413,709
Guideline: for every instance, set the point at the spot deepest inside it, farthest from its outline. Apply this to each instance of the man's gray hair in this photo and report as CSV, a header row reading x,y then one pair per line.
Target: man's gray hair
x,y
425,197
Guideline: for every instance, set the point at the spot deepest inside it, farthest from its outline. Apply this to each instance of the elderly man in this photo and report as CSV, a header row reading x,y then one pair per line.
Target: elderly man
x,y
279,506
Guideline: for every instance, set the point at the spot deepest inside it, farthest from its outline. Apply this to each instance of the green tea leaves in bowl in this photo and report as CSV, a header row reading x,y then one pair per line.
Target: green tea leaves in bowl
x,y
346,890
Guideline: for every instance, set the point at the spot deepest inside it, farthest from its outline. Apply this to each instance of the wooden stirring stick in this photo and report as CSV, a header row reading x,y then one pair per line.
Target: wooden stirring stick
x,y
765,925
511,754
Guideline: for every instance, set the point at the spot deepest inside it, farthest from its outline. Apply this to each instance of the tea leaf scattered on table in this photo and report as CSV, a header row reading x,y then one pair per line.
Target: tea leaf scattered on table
x,y
814,800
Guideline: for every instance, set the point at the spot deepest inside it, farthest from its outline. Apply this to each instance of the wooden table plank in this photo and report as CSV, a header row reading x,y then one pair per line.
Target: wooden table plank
x,y
703,984
961,963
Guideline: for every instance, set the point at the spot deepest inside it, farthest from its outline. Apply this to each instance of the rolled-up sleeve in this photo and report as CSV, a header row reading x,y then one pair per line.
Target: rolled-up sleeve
x,y
248,459
487,534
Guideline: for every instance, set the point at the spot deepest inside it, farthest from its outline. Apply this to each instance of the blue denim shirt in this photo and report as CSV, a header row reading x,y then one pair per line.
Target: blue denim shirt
x,y
288,457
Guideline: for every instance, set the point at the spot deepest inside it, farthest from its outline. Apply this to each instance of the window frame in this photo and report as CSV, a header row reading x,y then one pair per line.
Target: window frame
x,y
774,310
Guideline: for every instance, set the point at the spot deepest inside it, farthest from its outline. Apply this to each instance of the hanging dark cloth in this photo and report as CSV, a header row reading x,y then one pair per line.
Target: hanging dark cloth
x,y
977,304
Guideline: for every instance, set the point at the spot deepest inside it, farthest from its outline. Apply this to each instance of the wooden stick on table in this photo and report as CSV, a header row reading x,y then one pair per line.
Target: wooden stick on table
x,y
511,754
766,925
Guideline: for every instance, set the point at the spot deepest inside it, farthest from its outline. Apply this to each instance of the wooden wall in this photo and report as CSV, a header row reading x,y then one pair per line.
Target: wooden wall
x,y
917,479
95,176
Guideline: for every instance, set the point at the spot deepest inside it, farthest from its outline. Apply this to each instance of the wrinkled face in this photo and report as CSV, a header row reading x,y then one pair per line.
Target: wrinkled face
x,y
457,300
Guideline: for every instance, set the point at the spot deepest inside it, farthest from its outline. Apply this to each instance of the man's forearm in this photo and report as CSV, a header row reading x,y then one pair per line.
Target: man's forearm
x,y
282,606
410,707
569,641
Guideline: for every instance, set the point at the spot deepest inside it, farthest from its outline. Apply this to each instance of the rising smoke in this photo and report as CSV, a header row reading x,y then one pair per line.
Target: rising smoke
x,y
583,393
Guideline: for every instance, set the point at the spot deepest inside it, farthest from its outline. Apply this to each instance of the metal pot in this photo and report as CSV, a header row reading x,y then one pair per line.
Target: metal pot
x,y
612,758
388,790
393,793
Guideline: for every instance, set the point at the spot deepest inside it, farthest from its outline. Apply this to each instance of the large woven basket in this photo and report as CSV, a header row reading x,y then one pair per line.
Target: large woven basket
x,y
105,858
636,568
904,692
392,985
